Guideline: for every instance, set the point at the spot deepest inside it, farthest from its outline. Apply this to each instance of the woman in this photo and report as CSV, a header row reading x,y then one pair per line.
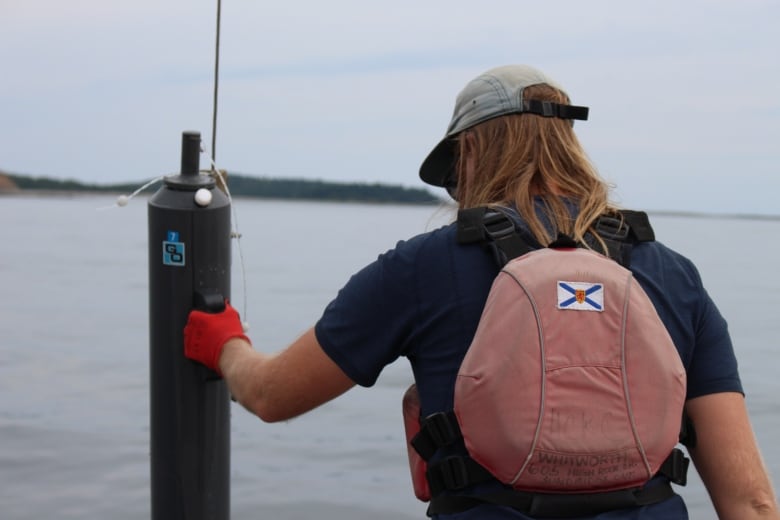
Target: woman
x,y
510,144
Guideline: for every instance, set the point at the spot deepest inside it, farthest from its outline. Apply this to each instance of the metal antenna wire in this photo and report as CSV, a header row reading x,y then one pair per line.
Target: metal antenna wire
x,y
216,88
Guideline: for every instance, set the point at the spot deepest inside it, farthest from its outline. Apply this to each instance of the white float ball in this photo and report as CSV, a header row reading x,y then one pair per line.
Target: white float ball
x,y
203,197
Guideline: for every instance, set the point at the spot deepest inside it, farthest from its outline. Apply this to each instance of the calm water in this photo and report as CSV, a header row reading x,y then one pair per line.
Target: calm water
x,y
74,422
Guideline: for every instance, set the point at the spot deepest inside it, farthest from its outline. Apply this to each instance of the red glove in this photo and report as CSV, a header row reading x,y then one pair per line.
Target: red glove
x,y
206,333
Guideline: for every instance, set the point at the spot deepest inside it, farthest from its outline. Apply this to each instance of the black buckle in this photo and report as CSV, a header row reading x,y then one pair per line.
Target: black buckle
x,y
675,467
550,109
541,108
439,428
498,225
611,227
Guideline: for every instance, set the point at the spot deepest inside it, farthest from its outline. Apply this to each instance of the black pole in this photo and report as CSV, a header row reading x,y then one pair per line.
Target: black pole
x,y
189,257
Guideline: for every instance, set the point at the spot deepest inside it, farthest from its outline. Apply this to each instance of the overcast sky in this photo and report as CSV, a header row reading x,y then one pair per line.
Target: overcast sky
x,y
683,94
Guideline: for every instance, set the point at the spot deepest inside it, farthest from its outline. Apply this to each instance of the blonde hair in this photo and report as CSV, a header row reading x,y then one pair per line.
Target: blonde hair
x,y
521,158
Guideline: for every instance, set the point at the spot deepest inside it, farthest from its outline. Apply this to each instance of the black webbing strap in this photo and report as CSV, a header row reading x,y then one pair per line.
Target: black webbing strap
x,y
675,467
621,232
550,109
639,225
495,229
452,473
458,472
615,233
436,431
455,473
687,432
470,225
541,505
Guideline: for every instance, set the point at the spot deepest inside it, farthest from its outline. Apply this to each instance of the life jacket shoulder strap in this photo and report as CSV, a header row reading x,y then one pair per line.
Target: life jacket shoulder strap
x,y
495,227
621,232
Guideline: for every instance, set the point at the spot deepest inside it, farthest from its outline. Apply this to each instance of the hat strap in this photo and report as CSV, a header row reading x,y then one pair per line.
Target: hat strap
x,y
550,109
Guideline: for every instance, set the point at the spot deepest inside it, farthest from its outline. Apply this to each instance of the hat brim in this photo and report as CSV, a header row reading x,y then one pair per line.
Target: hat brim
x,y
439,166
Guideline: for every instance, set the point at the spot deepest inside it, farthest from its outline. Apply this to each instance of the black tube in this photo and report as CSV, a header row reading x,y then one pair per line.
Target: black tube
x,y
190,153
189,253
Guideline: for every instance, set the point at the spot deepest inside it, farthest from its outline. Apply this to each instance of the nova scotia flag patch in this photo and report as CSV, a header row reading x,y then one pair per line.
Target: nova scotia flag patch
x,y
581,296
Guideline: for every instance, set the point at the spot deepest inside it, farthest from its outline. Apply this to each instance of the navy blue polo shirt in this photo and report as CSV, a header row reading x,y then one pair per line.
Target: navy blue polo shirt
x,y
423,300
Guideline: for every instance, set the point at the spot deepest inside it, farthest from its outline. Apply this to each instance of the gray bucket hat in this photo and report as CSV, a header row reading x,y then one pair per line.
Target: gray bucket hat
x,y
494,93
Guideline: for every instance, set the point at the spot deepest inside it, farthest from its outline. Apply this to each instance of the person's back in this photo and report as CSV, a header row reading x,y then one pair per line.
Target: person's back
x,y
429,293
510,143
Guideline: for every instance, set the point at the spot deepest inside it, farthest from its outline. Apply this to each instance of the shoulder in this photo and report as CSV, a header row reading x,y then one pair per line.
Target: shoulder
x,y
672,282
426,243
431,255
396,275
654,260
700,333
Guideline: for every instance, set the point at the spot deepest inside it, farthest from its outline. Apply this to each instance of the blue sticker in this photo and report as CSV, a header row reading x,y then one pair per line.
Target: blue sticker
x,y
173,250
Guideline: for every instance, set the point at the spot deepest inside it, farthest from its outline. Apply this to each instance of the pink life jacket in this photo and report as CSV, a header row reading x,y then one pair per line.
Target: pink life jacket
x,y
571,385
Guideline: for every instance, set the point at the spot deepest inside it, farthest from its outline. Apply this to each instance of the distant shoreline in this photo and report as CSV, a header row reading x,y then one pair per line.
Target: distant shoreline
x,y
79,194
654,213
245,187
240,186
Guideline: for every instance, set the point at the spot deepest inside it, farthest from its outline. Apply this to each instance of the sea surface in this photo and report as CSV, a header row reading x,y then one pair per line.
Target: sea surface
x,y
74,397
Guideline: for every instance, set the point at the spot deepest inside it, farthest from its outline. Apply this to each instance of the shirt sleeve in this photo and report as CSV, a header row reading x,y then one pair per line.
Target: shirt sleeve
x,y
713,366
366,326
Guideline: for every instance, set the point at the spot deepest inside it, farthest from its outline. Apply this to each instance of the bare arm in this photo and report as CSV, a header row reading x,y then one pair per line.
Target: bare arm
x,y
284,385
727,458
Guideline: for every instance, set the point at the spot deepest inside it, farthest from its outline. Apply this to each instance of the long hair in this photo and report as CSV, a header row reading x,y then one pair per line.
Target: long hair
x,y
520,159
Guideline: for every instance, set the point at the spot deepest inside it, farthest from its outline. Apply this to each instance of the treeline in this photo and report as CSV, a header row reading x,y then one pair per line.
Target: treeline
x,y
322,190
259,187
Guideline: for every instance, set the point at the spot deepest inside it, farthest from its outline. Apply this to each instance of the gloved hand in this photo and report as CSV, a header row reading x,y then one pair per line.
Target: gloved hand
x,y
206,333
